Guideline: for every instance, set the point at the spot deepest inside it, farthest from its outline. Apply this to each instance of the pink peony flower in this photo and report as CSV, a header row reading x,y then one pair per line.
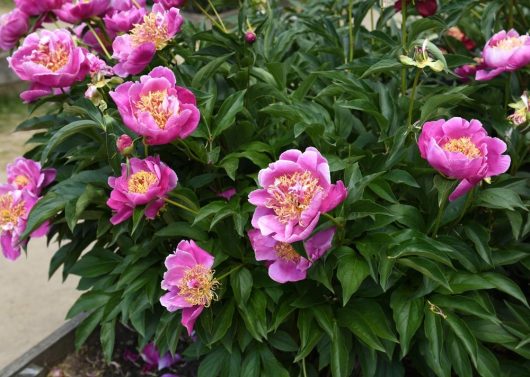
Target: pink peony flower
x,y
228,193
147,183
425,8
504,52
168,4
125,145
13,26
462,150
190,282
15,206
153,360
74,11
134,51
296,190
37,8
37,91
50,59
469,70
156,108
284,263
97,66
25,174
121,21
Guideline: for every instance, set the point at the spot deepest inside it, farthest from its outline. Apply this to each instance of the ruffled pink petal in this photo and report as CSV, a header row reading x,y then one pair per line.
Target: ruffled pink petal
x,y
463,187
189,316
319,244
283,272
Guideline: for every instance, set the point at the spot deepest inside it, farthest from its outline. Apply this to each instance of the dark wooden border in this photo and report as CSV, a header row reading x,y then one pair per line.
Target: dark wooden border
x,y
50,351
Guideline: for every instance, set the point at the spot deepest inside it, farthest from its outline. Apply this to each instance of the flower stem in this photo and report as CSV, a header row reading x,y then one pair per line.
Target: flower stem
x,y
218,17
333,220
510,15
182,206
404,44
469,200
229,272
441,212
350,31
99,41
304,371
412,96
212,20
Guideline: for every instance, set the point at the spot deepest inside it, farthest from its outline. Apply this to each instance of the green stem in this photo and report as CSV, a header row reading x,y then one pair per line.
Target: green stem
x,y
508,91
99,41
146,149
412,96
212,20
229,272
467,204
333,220
350,31
218,17
404,44
304,371
441,212
182,206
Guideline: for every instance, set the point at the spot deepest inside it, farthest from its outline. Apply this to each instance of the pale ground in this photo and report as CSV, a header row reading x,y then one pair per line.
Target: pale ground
x,y
31,306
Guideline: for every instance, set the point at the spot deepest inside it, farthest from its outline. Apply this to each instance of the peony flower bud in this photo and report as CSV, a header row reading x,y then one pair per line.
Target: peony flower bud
x,y
250,37
125,145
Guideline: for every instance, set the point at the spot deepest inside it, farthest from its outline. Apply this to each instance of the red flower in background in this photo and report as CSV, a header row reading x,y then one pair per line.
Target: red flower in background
x,y
425,8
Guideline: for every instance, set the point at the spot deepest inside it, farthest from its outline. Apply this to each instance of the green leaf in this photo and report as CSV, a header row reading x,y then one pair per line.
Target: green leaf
x,y
251,365
87,327
427,268
499,198
209,210
138,215
211,365
203,74
241,282
64,132
480,237
432,326
351,272
357,324
40,122
339,353
181,229
310,334
465,335
223,321
107,337
382,66
408,316
227,113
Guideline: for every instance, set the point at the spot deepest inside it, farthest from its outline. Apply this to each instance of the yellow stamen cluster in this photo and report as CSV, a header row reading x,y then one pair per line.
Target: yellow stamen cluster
x,y
463,145
286,252
198,286
10,213
511,43
53,60
291,194
139,183
150,30
152,103
21,181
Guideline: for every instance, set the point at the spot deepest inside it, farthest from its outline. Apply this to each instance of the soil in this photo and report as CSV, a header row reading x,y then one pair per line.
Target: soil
x,y
89,360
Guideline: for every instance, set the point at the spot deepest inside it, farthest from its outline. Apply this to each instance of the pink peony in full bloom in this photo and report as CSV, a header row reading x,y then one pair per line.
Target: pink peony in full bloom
x,y
26,174
124,145
74,11
284,263
168,4
462,150
156,108
504,52
13,26
425,8
190,282
147,183
38,7
15,206
297,189
124,14
135,50
50,59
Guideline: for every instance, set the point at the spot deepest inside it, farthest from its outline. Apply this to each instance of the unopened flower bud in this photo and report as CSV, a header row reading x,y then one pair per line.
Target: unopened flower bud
x,y
250,37
125,145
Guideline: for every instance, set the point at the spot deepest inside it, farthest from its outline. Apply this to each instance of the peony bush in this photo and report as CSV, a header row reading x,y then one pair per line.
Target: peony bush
x,y
327,188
